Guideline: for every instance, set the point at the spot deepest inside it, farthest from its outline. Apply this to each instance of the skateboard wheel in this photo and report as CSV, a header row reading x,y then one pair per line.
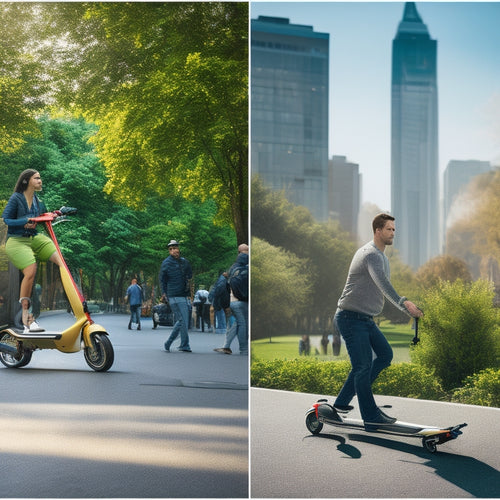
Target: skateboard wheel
x,y
429,445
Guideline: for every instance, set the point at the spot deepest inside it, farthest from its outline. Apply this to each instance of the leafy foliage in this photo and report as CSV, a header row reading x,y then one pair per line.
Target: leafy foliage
x,y
323,248
280,289
474,236
327,377
404,282
167,84
460,334
482,388
445,268
300,375
22,80
408,380
108,241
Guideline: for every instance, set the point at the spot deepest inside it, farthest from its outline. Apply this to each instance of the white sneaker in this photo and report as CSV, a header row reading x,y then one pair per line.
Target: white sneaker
x,y
34,327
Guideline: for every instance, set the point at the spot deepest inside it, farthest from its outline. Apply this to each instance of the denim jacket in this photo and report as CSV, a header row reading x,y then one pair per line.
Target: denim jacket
x,y
17,213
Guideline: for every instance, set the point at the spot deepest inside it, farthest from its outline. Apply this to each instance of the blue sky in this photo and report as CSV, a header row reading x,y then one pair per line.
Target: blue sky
x,y
361,35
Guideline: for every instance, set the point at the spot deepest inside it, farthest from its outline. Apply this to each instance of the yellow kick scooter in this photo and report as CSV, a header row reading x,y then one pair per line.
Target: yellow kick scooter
x,y
16,347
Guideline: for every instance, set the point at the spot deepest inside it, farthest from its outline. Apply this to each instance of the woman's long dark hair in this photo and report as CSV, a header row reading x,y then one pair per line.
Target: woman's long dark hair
x,y
24,180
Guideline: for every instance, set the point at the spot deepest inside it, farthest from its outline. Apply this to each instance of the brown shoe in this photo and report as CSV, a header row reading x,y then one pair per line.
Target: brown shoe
x,y
225,350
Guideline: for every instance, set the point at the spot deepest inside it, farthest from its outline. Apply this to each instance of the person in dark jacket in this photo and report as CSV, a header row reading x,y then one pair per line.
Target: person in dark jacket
x,y
175,276
25,245
238,307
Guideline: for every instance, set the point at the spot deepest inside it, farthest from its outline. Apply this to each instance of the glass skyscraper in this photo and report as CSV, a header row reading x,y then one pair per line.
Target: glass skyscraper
x,y
289,118
414,140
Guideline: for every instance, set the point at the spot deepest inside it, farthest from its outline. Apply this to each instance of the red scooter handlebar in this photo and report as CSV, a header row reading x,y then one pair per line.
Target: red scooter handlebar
x,y
51,216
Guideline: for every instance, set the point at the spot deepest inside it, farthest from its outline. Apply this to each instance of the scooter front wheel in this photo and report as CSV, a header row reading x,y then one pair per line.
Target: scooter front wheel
x,y
313,425
14,361
100,355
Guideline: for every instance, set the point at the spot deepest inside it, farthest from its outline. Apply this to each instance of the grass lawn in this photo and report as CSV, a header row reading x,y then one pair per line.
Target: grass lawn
x,y
399,336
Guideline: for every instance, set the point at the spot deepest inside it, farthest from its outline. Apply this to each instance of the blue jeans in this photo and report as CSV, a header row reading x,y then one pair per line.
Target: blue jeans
x,y
220,321
240,313
135,315
362,338
231,332
180,308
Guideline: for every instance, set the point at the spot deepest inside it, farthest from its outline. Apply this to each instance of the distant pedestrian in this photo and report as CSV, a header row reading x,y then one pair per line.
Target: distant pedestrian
x,y
304,345
237,307
175,276
220,298
324,343
134,297
201,303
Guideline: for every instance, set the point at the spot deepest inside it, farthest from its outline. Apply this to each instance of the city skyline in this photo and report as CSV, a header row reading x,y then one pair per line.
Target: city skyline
x,y
360,114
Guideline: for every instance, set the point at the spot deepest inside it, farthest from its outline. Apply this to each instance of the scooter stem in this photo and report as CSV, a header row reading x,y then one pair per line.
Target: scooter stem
x,y
75,297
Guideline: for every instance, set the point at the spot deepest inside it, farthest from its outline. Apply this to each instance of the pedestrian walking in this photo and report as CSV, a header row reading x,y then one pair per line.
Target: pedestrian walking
x,y
220,297
134,297
175,276
238,307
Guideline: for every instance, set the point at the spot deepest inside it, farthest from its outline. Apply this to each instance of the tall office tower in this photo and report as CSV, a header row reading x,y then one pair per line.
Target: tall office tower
x,y
344,185
414,140
289,110
457,176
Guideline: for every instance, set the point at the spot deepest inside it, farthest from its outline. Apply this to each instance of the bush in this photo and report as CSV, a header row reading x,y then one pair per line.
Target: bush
x,y
327,377
300,375
482,388
408,380
459,334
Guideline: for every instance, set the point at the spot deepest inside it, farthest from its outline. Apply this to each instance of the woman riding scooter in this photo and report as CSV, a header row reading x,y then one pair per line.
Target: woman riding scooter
x,y
25,245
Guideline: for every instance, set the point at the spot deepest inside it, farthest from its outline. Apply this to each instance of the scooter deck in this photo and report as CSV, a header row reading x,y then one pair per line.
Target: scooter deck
x,y
323,413
398,428
46,335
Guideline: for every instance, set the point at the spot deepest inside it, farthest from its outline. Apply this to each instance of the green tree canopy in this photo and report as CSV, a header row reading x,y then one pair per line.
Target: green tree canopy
x,y
167,84
442,268
475,235
280,289
107,240
324,246
23,80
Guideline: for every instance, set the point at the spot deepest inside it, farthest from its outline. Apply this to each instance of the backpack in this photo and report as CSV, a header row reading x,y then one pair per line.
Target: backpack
x,y
220,295
238,281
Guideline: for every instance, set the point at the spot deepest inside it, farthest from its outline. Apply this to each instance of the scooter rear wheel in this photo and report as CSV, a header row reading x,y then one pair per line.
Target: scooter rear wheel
x,y
313,425
429,445
100,356
10,361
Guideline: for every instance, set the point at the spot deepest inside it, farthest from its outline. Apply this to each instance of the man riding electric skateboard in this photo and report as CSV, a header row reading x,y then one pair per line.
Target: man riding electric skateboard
x,y
368,282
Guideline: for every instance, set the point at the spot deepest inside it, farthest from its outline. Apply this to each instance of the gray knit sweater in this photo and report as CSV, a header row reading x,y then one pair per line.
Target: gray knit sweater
x,y
368,282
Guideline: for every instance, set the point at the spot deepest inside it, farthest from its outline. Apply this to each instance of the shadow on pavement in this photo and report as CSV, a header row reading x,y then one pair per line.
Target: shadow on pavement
x,y
471,475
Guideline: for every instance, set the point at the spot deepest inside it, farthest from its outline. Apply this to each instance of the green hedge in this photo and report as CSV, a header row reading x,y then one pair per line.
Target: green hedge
x,y
482,388
327,377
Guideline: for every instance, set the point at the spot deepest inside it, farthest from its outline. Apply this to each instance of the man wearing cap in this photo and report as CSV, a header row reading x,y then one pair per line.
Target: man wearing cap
x,y
175,273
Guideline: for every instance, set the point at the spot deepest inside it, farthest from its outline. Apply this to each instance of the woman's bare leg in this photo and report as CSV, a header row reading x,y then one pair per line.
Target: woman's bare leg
x,y
56,259
26,288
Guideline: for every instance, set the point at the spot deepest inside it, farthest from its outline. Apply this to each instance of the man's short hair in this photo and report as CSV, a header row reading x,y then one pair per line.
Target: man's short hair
x,y
380,220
